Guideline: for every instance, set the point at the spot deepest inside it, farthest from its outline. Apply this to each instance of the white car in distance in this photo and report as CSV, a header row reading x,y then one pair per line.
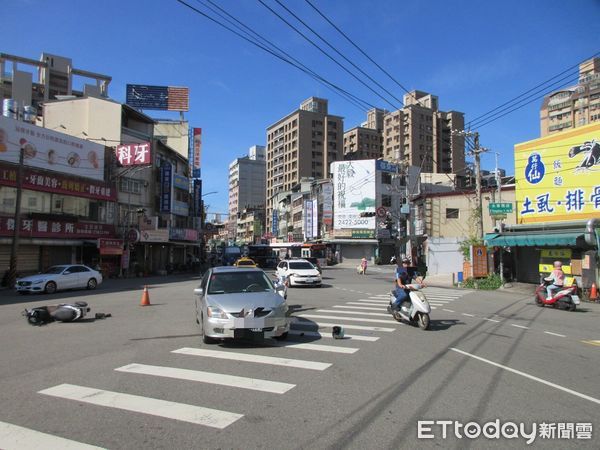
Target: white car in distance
x,y
299,272
76,276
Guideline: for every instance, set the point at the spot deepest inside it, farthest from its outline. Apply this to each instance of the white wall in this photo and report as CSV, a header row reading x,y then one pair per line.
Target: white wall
x,y
444,256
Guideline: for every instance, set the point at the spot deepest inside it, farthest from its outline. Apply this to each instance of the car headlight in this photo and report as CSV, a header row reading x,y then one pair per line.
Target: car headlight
x,y
216,313
38,281
294,275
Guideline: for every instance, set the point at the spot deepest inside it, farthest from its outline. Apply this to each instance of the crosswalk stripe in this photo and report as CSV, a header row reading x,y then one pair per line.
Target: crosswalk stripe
x,y
378,297
259,359
373,301
370,303
316,334
178,411
352,319
366,308
16,437
318,347
441,297
222,379
357,313
346,326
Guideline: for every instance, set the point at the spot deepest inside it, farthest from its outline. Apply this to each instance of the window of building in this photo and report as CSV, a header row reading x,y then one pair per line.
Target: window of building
x,y
386,178
386,200
451,213
130,185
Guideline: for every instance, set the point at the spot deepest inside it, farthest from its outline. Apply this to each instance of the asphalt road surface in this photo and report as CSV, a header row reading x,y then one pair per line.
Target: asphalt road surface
x,y
143,378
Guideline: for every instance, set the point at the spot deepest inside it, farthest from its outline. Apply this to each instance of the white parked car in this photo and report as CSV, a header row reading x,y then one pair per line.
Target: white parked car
x,y
299,272
56,278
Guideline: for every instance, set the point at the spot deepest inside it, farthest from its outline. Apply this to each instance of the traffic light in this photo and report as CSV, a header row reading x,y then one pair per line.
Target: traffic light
x,y
367,214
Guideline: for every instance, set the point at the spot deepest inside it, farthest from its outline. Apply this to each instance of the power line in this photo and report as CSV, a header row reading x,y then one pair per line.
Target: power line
x,y
576,66
360,104
271,52
361,50
325,53
554,86
337,51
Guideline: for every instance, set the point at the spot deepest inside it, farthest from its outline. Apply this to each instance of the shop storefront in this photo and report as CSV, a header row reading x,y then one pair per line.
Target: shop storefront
x,y
558,208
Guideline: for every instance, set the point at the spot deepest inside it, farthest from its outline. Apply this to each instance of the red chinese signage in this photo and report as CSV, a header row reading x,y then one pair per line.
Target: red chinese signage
x,y
135,154
110,246
37,228
36,180
197,152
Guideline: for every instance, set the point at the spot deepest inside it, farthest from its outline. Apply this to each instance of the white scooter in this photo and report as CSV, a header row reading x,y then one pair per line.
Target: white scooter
x,y
415,310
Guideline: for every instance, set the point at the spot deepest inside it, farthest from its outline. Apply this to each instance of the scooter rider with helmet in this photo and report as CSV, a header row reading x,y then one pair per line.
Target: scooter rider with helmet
x,y
402,280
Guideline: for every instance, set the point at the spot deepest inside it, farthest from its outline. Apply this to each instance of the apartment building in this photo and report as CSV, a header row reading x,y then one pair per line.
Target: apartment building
x,y
247,184
420,135
302,144
574,106
366,140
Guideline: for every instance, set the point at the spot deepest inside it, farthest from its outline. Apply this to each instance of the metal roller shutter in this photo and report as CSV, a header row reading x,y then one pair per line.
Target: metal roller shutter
x,y
28,258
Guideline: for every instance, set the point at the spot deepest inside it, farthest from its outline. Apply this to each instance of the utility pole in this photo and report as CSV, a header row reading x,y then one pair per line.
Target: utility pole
x,y
12,270
499,221
476,152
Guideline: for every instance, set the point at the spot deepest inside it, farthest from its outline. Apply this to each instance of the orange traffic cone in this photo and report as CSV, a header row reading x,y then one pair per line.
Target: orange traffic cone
x,y
145,297
594,292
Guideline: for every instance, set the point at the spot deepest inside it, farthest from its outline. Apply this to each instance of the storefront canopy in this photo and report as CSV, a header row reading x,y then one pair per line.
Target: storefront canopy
x,y
533,240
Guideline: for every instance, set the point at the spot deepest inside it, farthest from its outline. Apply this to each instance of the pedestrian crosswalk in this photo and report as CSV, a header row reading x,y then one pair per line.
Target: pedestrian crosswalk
x,y
364,319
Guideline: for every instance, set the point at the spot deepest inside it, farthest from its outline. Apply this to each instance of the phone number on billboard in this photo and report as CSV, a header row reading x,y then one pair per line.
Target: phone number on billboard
x,y
352,222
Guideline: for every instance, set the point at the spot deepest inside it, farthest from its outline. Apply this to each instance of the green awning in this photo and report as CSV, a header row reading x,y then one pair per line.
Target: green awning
x,y
532,239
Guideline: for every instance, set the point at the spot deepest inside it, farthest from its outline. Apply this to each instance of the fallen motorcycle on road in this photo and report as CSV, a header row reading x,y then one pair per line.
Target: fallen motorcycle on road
x,y
63,312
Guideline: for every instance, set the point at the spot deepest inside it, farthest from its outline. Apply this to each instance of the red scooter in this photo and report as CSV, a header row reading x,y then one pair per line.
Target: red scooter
x,y
566,298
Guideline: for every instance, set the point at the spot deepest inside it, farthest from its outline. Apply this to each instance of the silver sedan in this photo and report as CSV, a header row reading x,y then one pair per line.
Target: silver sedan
x,y
240,303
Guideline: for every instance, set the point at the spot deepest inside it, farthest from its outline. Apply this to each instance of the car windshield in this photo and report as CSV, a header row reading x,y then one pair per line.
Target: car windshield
x,y
301,265
54,269
236,282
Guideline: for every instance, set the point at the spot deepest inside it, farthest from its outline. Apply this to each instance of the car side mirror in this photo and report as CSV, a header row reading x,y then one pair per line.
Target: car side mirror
x,y
67,273
199,291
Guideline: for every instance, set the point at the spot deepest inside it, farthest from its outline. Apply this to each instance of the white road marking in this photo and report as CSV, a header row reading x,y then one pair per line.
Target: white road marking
x,y
441,302
468,315
366,308
519,326
145,405
259,359
554,334
351,319
373,301
531,377
16,437
378,297
449,310
370,303
222,379
592,342
318,347
347,326
491,320
316,334
357,313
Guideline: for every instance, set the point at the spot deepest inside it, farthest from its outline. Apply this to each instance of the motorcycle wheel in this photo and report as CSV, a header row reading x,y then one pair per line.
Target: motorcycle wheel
x,y
397,316
423,321
539,302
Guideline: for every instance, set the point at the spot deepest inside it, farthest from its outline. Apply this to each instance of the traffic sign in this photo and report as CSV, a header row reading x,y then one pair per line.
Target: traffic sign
x,y
381,212
501,208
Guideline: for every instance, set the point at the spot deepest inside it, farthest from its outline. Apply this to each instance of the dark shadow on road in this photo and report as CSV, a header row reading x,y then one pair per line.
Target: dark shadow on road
x,y
176,336
299,308
441,325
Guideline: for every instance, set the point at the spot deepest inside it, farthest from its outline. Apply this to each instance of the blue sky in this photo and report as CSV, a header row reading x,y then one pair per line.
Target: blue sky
x,y
472,55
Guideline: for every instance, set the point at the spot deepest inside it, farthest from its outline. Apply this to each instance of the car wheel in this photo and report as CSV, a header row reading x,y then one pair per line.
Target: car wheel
x,y
91,284
50,287
282,337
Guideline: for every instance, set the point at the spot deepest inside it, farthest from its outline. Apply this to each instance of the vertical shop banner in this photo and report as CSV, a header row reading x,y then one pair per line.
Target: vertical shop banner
x,y
308,219
558,176
198,197
166,186
315,214
328,203
275,223
197,152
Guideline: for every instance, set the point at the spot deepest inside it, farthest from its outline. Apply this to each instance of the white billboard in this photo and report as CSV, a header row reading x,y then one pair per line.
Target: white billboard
x,y
50,150
353,194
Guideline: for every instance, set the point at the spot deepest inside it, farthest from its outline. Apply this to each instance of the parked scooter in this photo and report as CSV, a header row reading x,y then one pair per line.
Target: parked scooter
x,y
566,298
415,310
